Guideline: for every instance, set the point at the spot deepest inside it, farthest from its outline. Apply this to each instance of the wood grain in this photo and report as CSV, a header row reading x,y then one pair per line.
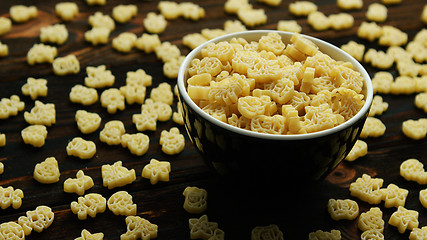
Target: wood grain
x,y
237,209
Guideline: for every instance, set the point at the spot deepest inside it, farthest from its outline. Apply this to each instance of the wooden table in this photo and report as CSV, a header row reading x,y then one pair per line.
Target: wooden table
x,y
161,204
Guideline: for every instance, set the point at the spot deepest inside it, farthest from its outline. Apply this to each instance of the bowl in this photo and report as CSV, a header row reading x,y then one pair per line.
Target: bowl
x,y
254,157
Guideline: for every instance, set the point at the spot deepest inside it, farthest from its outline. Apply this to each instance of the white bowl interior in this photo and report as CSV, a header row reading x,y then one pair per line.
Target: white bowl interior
x,y
327,48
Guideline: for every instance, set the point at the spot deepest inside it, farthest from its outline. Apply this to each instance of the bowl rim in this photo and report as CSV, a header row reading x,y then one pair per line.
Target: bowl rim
x,y
320,43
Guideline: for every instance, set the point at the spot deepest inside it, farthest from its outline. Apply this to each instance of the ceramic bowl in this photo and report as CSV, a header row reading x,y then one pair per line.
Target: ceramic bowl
x,y
264,158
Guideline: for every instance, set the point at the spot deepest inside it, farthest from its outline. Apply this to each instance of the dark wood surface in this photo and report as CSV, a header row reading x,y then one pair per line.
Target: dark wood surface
x,y
162,203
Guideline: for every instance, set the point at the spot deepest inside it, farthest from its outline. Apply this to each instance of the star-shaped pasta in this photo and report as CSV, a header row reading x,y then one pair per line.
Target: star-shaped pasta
x,y
201,227
79,184
157,171
367,189
91,204
86,235
120,203
10,196
272,231
371,220
138,227
195,200
112,132
35,88
413,170
42,114
418,233
137,143
116,175
172,141
83,149
404,219
47,171
38,220
393,196
343,209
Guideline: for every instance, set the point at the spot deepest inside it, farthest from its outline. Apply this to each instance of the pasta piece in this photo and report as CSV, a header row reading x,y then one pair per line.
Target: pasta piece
x,y
96,2
146,120
90,204
171,68
341,21
404,219
231,26
201,227
370,31
162,111
120,203
47,171
162,93
5,25
156,171
378,106
79,184
34,135
35,88
423,197
413,170
274,3
272,230
167,51
359,149
112,132
415,129
41,53
376,12
66,65
195,200
66,10
39,219
319,234
124,42
371,220
87,122
83,95
421,101
392,36
289,26
116,175
154,23
41,114
193,40
1,164
302,8
21,13
372,235
56,33
355,49
393,196
86,235
191,11
139,227
138,78
147,42
318,21
169,9
418,233
97,35
367,189
381,82
124,13
252,17
4,50
98,19
10,197
424,17
137,143
373,127
10,106
343,209
11,230
113,100
349,4
83,149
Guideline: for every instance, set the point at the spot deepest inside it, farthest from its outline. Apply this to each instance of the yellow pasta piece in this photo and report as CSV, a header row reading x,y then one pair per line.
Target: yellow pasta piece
x,y
231,26
272,42
99,77
138,78
138,227
193,40
10,197
392,36
343,209
154,23
359,149
113,100
274,3
212,33
415,129
403,85
302,8
252,17
97,35
98,19
66,65
34,135
289,26
421,101
5,25
87,122
266,124
83,149
378,106
21,13
389,2
172,141
369,30
371,220
41,53
319,118
167,51
10,106
417,50
413,170
41,114
83,95
39,219
418,233
191,11
1,164
201,228
47,171
272,230
96,2
146,120
355,49
195,200
367,189
86,235
4,50
35,88
133,93
148,42
120,203
381,82
423,197
349,4
162,93
137,143
424,17
319,234
373,127
372,235
11,230
124,42
393,196
79,184
169,9
56,33
318,21
379,59
124,13
404,219
233,6
341,21
116,175
162,110
112,132
376,12
157,171
66,10
90,204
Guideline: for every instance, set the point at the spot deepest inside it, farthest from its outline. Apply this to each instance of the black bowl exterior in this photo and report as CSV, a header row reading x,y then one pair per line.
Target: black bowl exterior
x,y
265,161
